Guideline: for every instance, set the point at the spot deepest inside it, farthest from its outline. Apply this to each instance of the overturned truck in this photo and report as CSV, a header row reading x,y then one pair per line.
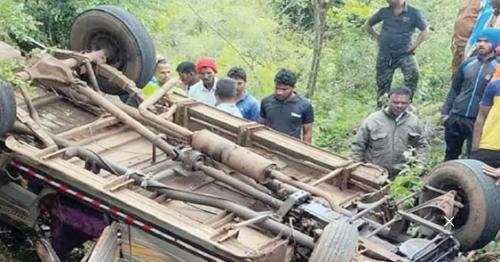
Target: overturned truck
x,y
171,179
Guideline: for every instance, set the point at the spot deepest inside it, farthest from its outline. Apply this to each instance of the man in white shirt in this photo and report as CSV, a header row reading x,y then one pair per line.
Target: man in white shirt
x,y
204,90
225,95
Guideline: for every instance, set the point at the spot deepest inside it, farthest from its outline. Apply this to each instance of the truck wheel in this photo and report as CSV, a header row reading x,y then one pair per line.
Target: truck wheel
x,y
337,243
478,222
7,107
128,46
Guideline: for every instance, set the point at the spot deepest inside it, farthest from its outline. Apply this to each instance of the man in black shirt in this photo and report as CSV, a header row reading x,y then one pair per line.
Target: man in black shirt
x,y
285,110
396,49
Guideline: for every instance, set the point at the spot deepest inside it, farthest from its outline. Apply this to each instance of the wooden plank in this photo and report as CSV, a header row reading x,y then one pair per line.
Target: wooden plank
x,y
216,117
107,248
373,176
144,247
92,127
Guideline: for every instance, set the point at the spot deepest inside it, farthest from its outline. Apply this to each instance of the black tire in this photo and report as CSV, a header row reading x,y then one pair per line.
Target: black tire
x,y
337,243
7,107
128,46
478,222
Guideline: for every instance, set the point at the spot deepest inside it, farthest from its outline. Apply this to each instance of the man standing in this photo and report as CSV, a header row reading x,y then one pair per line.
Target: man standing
x,y
248,105
204,90
385,135
285,111
486,143
187,74
396,49
462,103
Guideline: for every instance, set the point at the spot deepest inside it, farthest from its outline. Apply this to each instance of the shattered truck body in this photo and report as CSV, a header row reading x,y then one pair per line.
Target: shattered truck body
x,y
171,179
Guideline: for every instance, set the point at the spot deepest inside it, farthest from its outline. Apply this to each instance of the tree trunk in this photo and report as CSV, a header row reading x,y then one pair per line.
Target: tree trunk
x,y
320,10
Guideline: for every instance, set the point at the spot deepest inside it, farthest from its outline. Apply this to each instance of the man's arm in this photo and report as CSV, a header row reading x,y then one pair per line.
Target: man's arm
x,y
374,33
255,112
263,117
420,143
478,126
375,19
421,24
360,143
420,39
307,132
455,89
484,109
307,124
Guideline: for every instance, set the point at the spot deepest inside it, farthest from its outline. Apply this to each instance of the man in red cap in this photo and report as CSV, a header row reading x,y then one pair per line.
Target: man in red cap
x,y
204,91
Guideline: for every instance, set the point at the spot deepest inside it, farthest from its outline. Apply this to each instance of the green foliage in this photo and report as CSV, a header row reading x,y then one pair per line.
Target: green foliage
x,y
251,39
295,13
408,180
405,185
14,22
349,14
55,18
490,253
8,69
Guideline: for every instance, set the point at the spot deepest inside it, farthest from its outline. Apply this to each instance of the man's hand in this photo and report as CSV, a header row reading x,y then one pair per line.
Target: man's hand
x,y
490,171
493,172
420,39
374,33
444,118
412,49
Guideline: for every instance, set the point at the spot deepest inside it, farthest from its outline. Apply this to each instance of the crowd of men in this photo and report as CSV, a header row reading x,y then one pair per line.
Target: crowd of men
x,y
470,113
284,111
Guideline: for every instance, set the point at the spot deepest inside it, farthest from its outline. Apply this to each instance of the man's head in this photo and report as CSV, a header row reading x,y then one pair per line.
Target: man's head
x,y
163,71
284,82
495,4
225,90
206,69
187,73
399,100
395,2
239,75
488,40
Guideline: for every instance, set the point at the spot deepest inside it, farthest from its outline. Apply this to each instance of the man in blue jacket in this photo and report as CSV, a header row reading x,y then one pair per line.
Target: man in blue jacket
x,y
462,103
